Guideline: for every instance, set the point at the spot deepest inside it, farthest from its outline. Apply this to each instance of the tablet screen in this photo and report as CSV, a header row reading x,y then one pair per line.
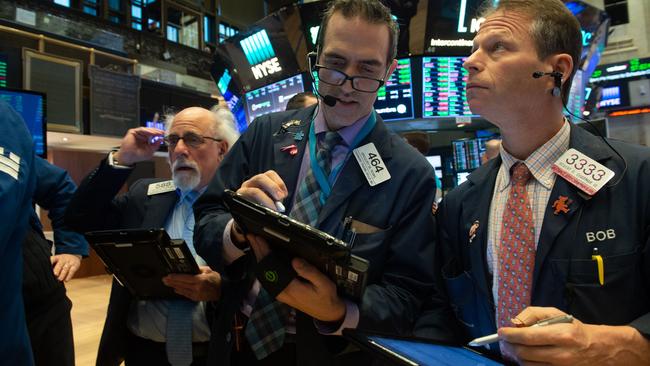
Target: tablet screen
x,y
420,353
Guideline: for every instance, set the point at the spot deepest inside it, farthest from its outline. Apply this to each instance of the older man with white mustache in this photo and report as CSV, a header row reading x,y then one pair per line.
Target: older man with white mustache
x,y
139,332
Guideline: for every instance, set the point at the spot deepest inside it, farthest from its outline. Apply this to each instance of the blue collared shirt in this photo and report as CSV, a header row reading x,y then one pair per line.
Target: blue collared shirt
x,y
148,319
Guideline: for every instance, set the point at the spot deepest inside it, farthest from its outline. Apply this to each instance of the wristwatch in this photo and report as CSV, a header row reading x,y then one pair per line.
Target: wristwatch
x,y
112,162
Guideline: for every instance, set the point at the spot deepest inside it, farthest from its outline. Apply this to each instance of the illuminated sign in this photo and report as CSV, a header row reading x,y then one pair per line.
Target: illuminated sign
x,y
634,68
610,97
260,54
450,26
475,22
224,81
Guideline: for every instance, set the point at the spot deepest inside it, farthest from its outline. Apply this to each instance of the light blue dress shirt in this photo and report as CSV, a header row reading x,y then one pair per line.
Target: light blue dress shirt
x,y
148,319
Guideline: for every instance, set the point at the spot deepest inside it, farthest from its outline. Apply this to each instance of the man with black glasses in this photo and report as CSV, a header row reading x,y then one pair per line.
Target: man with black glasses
x,y
158,332
310,160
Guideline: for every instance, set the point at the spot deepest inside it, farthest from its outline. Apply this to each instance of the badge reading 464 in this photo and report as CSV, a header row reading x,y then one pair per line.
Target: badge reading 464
x,y
371,164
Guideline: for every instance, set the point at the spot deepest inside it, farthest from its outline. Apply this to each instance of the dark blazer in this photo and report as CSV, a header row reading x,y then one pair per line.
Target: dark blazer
x,y
565,276
400,250
95,207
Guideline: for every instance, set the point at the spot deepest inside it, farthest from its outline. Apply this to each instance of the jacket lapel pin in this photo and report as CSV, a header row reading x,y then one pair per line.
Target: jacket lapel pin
x,y
472,231
291,149
298,136
562,205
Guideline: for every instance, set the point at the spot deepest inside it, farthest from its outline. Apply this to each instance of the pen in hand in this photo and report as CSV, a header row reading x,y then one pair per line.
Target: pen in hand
x,y
481,341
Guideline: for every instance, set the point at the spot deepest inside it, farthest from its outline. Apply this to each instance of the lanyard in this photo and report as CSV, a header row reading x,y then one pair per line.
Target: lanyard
x,y
318,172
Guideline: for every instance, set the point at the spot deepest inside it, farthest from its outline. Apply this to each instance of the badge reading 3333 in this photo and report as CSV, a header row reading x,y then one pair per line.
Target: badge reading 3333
x,y
582,171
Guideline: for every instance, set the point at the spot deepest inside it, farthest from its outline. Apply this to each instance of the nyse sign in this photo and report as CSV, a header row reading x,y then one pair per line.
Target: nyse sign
x,y
268,67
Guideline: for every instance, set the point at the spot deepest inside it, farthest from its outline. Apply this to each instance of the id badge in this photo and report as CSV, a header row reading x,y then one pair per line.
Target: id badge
x,y
582,171
371,164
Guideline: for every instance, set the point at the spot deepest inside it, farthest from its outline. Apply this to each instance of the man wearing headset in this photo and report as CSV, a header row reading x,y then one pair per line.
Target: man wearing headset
x,y
532,234
388,215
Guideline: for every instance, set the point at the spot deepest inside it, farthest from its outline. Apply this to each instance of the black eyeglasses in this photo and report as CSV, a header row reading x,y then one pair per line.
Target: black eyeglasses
x,y
191,139
338,78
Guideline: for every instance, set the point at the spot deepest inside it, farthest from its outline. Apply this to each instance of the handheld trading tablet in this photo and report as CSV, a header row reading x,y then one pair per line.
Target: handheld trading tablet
x,y
331,255
416,351
140,258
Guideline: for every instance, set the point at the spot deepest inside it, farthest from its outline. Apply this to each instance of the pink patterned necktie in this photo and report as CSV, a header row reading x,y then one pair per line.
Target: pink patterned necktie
x,y
517,250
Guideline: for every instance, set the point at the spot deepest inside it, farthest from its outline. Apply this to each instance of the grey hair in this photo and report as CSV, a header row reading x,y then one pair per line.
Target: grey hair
x,y
223,124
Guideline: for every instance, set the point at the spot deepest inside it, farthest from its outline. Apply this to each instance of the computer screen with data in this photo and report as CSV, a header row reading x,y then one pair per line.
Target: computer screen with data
x,y
31,106
395,98
273,97
443,87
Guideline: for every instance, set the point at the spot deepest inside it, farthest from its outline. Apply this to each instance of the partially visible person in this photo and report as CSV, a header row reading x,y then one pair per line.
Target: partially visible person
x,y
491,150
17,180
301,100
519,242
146,332
47,308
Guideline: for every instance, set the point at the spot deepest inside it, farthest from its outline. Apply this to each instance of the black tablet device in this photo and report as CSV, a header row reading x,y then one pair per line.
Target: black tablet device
x,y
331,255
416,351
140,258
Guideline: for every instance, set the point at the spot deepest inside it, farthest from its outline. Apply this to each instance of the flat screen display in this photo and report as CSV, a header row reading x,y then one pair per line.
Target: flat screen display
x,y
467,154
426,354
263,54
31,106
395,98
273,97
443,87
3,70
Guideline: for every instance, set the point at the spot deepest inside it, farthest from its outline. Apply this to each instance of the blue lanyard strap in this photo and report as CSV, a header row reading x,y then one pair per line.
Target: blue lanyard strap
x,y
318,172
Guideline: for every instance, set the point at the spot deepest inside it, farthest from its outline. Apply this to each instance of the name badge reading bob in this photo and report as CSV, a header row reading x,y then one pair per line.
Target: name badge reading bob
x,y
371,164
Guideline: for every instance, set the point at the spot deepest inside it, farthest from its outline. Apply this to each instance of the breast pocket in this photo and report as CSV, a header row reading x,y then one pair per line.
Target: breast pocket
x,y
621,298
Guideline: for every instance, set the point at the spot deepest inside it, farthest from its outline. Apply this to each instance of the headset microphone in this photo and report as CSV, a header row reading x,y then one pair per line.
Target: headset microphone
x,y
557,89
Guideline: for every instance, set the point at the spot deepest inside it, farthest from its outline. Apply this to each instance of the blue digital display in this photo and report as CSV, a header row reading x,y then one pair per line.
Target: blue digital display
x,y
31,107
610,97
427,354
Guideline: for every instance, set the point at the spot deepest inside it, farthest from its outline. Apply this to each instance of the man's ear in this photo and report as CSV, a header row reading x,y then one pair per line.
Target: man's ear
x,y
563,63
223,147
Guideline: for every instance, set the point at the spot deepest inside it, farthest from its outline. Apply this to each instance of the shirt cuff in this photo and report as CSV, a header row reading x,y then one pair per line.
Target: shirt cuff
x,y
230,251
114,164
351,321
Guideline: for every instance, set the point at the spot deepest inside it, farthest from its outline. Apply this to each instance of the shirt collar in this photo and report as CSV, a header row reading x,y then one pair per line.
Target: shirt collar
x,y
347,133
540,162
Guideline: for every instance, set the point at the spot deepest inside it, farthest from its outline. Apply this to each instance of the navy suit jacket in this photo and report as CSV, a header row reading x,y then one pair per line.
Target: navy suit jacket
x,y
565,276
399,250
95,207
